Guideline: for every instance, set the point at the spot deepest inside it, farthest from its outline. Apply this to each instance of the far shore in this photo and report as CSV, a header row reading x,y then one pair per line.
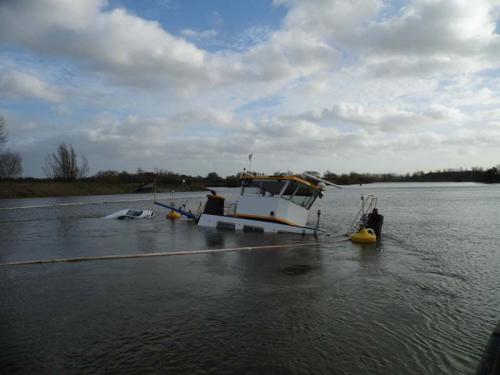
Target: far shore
x,y
51,188
41,189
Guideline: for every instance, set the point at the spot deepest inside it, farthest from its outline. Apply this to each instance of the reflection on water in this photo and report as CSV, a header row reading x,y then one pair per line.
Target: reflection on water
x,y
298,269
213,238
421,301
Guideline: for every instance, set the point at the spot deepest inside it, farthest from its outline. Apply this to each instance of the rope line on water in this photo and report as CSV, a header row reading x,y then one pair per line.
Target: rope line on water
x,y
149,255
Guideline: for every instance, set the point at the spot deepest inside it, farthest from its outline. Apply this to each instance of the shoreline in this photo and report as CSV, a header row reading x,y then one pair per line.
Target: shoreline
x,y
52,189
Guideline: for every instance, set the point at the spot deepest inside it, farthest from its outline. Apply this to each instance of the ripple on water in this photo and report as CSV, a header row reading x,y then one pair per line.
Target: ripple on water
x,y
421,301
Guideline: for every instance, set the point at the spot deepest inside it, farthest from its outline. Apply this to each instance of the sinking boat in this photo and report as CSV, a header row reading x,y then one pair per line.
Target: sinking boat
x,y
131,214
269,204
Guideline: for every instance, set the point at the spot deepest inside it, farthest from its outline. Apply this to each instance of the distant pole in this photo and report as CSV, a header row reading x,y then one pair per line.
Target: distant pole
x,y
154,188
316,227
250,162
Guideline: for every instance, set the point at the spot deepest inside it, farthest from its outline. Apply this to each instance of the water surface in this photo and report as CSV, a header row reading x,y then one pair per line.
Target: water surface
x,y
422,301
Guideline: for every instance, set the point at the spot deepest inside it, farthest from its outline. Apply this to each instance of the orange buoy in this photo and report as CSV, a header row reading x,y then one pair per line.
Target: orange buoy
x,y
364,236
173,215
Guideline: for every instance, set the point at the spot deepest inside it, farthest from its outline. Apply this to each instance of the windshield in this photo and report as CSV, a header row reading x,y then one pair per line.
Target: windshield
x,y
300,195
262,187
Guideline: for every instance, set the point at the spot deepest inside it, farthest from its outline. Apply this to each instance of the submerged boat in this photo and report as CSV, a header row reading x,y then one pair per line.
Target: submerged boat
x,y
270,204
131,214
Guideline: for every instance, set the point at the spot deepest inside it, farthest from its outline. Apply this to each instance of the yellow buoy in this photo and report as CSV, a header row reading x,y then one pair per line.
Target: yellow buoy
x,y
364,236
173,215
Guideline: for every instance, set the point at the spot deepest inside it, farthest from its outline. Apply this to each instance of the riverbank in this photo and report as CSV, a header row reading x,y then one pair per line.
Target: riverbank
x,y
39,189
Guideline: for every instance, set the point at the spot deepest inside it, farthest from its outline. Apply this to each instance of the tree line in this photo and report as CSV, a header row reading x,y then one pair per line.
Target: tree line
x,y
491,175
10,162
164,177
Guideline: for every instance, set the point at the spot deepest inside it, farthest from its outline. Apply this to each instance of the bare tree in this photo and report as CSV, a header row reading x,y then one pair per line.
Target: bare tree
x,y
10,162
10,165
3,131
63,164
84,168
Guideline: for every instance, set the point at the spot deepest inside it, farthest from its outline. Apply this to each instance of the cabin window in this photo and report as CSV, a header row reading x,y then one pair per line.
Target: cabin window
x,y
310,200
250,190
263,188
300,200
290,190
300,195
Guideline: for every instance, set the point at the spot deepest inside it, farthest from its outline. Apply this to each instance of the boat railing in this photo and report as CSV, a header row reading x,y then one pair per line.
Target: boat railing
x,y
230,208
361,218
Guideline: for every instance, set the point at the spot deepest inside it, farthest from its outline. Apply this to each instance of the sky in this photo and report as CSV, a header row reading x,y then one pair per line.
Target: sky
x,y
195,86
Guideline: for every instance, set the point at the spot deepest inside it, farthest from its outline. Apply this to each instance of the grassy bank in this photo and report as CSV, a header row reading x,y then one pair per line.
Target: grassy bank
x,y
29,189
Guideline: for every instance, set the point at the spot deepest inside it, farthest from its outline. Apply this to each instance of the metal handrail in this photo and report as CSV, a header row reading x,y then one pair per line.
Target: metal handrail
x,y
361,218
230,208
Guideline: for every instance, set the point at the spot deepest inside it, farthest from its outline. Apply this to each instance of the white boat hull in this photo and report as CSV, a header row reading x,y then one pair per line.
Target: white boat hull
x,y
131,214
236,223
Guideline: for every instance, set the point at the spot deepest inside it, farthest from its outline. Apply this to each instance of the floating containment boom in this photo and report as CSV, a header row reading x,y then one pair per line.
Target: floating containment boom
x,y
162,254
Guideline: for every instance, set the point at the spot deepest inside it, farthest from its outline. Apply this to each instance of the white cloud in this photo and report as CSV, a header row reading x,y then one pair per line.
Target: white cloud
x,y
432,36
129,49
133,51
224,139
15,85
425,37
385,118
329,19
338,80
429,27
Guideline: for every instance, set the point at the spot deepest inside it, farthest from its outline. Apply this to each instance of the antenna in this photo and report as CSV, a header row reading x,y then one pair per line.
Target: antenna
x,y
250,162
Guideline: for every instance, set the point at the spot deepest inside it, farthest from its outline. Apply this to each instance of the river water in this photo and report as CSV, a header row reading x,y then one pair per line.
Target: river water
x,y
422,301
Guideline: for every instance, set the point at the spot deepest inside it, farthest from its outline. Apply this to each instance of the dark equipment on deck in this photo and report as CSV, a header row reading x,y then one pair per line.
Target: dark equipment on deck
x,y
215,205
375,221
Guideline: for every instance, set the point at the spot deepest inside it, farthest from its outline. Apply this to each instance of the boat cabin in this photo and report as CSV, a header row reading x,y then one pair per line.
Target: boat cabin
x,y
284,199
270,204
